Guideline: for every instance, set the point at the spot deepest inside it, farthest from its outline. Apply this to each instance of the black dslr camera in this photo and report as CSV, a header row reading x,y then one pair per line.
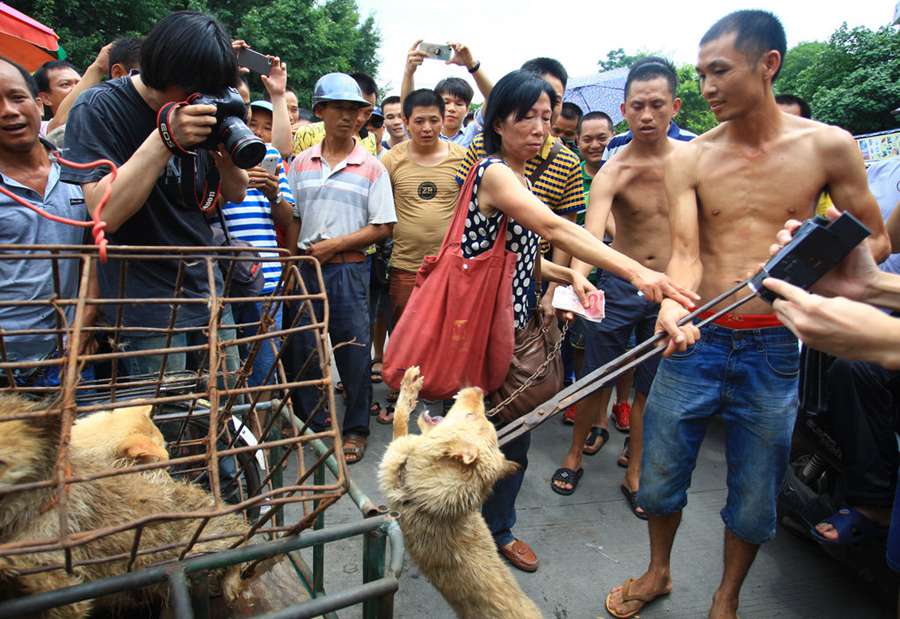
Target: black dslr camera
x,y
245,148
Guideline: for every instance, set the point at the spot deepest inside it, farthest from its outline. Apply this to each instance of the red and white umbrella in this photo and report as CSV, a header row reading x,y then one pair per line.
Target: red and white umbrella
x,y
26,41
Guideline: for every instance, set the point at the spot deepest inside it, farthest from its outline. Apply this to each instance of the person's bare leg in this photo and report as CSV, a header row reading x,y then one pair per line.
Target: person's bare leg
x,y
739,556
379,333
657,580
635,444
586,414
623,387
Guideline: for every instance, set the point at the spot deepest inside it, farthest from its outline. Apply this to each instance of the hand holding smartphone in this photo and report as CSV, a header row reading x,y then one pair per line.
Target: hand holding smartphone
x,y
256,62
436,51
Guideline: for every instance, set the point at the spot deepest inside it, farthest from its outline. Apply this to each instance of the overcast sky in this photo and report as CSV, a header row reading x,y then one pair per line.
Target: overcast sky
x,y
505,33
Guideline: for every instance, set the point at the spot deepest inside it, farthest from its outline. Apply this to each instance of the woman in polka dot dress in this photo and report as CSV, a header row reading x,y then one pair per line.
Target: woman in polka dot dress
x,y
515,123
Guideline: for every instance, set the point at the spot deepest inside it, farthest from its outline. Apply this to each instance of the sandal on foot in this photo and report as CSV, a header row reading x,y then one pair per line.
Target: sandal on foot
x,y
386,417
590,444
375,409
339,388
622,460
354,448
852,527
631,497
628,597
566,476
376,376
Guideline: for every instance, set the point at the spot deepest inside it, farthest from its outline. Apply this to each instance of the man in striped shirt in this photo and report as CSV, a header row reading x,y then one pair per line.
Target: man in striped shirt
x,y
268,203
343,204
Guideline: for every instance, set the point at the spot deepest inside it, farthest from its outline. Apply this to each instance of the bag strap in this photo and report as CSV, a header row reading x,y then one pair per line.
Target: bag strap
x,y
543,165
458,224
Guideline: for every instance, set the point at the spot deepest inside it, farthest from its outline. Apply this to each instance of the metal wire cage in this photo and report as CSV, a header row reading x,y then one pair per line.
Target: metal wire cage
x,y
81,506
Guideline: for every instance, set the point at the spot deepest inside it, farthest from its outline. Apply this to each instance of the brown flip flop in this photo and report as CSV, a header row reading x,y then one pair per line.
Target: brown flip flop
x,y
627,597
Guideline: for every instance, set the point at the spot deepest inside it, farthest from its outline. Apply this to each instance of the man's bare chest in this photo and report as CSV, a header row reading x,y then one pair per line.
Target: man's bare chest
x,y
773,186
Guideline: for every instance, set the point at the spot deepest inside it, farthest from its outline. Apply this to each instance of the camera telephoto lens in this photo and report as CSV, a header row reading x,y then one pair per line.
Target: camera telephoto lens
x,y
245,148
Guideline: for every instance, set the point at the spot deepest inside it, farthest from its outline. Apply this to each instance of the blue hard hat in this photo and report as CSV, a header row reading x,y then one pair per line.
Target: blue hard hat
x,y
337,87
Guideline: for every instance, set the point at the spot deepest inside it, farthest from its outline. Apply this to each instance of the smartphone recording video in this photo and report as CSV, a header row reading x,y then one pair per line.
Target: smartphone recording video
x,y
256,62
436,50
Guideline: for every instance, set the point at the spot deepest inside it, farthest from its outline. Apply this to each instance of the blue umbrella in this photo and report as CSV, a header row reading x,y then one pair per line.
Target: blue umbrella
x,y
600,92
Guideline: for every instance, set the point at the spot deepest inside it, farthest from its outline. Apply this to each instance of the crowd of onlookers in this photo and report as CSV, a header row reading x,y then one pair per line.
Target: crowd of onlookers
x,y
366,185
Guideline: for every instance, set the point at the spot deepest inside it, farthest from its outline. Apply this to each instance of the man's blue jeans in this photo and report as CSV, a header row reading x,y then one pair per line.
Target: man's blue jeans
x,y
749,377
347,287
499,510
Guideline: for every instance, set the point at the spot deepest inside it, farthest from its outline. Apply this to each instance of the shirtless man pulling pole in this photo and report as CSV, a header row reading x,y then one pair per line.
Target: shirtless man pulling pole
x,y
729,191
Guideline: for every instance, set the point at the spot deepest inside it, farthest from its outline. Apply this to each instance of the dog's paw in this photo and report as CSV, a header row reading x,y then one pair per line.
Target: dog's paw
x,y
412,381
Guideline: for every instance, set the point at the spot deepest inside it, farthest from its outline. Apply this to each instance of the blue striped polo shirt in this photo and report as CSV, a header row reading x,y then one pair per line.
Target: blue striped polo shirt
x,y
620,141
251,222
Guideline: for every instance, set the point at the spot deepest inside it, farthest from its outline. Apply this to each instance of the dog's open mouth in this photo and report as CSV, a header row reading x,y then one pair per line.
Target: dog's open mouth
x,y
432,421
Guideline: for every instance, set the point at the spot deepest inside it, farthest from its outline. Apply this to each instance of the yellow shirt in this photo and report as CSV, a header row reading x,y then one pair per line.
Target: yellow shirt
x,y
425,199
309,135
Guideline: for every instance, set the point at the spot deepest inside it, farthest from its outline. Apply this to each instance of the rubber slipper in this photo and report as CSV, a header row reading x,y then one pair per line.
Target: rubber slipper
x,y
566,476
627,597
852,528
339,388
590,443
631,497
375,409
354,448
386,417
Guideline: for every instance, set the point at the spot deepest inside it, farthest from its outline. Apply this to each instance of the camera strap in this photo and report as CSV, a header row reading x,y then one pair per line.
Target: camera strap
x,y
164,126
208,197
189,162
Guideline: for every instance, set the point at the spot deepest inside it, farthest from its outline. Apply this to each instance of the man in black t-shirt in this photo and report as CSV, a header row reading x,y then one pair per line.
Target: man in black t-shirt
x,y
186,52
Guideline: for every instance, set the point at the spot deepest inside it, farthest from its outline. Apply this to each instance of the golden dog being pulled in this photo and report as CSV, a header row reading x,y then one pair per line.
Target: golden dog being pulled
x,y
438,481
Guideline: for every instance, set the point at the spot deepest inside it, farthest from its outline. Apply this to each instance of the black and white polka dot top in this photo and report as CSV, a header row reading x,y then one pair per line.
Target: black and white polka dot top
x,y
480,234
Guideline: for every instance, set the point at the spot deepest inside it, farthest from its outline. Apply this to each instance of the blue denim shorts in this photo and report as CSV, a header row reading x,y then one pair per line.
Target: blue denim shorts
x,y
750,378
629,318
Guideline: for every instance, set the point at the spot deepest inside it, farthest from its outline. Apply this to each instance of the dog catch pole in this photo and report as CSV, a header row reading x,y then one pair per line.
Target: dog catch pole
x,y
618,366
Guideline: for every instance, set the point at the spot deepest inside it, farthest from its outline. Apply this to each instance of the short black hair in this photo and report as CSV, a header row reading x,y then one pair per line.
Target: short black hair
x,y
788,99
515,93
649,68
597,116
757,33
543,65
424,97
366,83
42,75
393,99
126,51
29,79
571,110
455,87
190,50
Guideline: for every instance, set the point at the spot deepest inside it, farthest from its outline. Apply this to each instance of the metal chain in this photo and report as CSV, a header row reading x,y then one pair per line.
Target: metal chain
x,y
531,379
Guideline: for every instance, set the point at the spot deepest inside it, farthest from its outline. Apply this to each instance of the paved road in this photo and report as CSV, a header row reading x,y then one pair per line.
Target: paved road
x,y
588,542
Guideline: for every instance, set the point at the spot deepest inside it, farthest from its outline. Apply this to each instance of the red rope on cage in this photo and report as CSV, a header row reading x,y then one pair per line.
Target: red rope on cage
x,y
96,224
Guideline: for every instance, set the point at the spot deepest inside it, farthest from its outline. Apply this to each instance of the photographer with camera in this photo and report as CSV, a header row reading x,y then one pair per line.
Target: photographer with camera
x,y
167,142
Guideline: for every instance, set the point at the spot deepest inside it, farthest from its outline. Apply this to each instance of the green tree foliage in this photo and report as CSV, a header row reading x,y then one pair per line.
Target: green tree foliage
x,y
852,81
312,36
617,58
695,114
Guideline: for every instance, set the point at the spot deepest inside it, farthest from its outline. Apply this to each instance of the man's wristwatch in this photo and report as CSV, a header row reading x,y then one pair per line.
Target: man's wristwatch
x,y
474,68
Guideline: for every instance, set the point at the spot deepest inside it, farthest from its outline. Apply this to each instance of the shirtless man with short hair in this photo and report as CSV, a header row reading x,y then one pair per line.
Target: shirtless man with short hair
x,y
729,192
631,187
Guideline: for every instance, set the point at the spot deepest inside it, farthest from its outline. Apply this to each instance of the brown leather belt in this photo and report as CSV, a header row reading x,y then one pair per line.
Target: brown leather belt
x,y
344,257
